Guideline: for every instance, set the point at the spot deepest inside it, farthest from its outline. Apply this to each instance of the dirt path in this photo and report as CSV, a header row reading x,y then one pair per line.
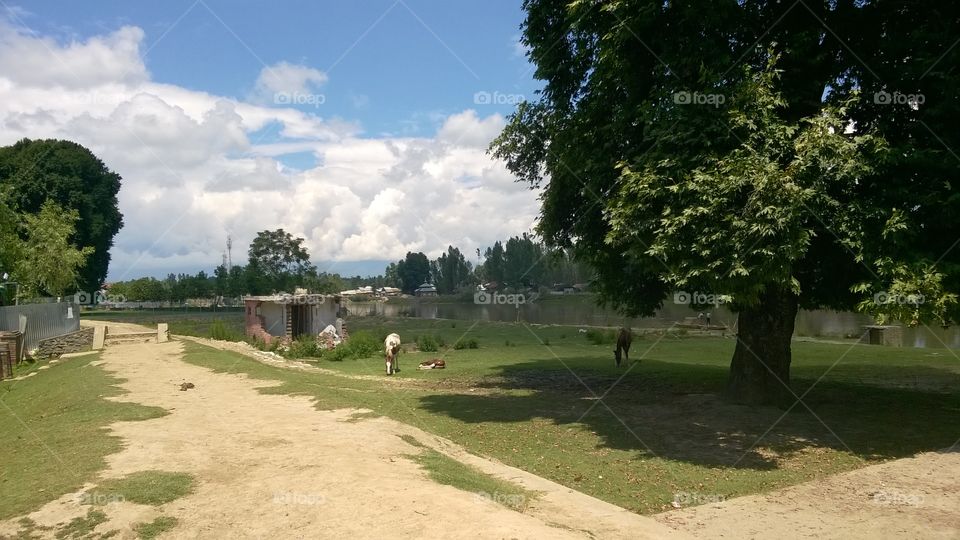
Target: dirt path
x,y
272,466
917,497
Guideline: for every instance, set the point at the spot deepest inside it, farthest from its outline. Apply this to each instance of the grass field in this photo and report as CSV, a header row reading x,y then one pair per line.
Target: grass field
x,y
528,396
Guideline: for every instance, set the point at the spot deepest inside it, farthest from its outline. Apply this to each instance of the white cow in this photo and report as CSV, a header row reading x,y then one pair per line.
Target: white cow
x,y
392,347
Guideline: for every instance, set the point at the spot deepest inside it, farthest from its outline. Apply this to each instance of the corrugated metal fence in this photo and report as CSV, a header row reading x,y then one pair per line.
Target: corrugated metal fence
x,y
43,320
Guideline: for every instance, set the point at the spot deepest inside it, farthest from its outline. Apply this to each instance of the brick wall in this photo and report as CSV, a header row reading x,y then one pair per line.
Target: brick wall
x,y
79,341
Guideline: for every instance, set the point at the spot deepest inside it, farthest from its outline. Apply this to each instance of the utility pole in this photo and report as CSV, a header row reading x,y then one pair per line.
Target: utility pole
x,y
229,253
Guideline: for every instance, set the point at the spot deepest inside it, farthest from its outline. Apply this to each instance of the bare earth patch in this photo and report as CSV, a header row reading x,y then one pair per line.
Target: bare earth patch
x,y
908,498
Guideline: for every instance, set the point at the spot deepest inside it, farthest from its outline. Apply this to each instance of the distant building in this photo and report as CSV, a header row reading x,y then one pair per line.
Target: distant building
x,y
290,315
426,289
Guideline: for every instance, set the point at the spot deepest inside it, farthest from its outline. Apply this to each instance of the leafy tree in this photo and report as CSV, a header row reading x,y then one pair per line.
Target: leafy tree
x,y
236,284
523,261
391,275
280,257
746,153
69,175
450,271
50,263
221,279
413,271
255,280
493,265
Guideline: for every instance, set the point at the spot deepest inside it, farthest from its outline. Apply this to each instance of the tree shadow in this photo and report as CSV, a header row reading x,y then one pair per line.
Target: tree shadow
x,y
674,410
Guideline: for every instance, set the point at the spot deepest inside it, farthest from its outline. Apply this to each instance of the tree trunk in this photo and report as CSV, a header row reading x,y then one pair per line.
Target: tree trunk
x,y
760,369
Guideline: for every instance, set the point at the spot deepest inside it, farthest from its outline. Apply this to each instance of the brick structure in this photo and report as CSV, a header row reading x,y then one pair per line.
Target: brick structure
x,y
288,316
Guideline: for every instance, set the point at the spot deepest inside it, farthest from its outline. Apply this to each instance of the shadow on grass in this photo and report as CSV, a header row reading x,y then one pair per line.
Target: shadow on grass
x,y
673,410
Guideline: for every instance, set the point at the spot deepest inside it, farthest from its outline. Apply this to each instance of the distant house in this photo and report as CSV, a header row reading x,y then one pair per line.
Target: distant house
x,y
426,289
290,315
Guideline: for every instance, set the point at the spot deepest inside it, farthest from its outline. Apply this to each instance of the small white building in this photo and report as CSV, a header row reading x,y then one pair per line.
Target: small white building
x,y
290,315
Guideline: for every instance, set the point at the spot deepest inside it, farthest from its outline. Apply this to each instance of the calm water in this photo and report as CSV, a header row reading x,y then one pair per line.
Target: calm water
x,y
582,311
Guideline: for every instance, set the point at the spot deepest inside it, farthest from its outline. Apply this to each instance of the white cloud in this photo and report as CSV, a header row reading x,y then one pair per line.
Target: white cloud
x,y
194,170
42,62
283,81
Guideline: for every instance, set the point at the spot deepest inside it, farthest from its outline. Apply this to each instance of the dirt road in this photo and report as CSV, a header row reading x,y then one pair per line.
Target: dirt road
x,y
272,466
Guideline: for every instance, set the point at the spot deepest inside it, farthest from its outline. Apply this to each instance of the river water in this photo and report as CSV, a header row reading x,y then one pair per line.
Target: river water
x,y
581,310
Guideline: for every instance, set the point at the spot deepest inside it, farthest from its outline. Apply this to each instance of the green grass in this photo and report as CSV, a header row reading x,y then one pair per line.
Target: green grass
x,y
53,432
448,471
144,487
661,429
154,528
81,527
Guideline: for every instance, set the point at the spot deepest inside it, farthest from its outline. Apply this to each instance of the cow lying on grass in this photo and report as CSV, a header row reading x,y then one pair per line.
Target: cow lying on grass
x,y
391,346
624,338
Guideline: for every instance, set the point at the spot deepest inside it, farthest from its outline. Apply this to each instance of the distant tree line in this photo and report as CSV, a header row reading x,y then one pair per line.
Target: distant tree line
x,y
278,262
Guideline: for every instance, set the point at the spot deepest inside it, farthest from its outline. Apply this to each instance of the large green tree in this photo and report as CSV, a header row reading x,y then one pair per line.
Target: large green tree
x,y
523,261
769,151
451,271
281,258
66,173
413,271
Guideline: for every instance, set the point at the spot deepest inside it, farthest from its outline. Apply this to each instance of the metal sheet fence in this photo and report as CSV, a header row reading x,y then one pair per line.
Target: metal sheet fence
x,y
43,320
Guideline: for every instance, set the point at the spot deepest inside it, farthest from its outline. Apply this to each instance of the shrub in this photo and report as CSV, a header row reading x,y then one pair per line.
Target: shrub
x,y
601,337
361,344
466,344
304,347
427,344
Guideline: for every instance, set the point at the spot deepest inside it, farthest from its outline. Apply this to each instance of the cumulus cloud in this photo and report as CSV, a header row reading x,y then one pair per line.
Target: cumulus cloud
x,y
283,82
194,169
42,62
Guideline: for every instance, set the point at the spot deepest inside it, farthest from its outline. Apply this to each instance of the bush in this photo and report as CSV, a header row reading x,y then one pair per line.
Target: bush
x,y
361,344
466,344
601,337
427,344
304,347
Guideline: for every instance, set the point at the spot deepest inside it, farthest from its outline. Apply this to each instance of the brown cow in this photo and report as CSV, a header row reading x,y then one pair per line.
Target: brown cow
x,y
624,338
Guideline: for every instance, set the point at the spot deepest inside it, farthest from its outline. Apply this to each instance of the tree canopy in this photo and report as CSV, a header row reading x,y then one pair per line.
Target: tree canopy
x,y
277,260
775,152
69,175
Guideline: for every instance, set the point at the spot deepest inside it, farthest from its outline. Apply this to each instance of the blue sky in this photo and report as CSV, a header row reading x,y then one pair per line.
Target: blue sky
x,y
396,67
355,125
